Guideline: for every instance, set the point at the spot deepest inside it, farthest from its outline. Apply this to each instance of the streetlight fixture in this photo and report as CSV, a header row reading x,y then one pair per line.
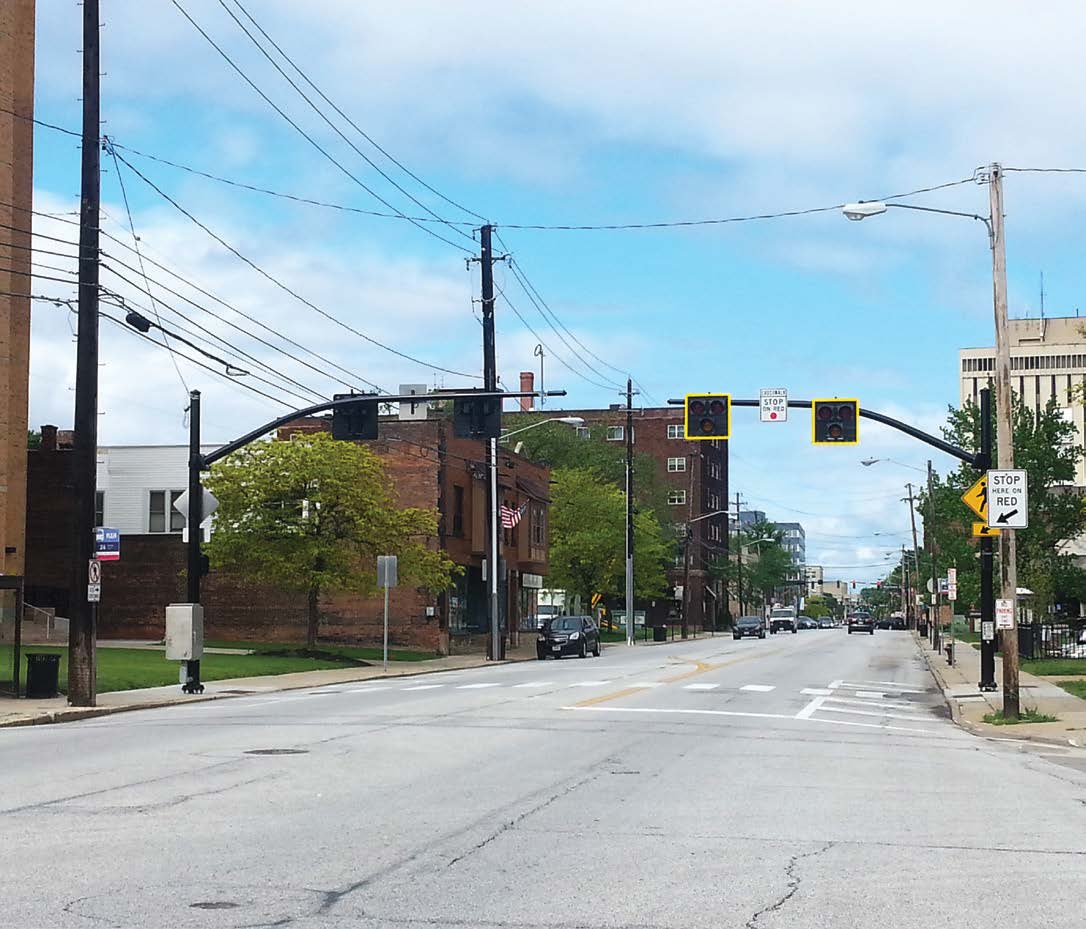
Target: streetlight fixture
x,y
868,462
566,420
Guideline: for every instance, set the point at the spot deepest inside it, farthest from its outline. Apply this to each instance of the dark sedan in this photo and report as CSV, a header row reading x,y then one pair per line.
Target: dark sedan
x,y
568,635
826,623
752,626
861,622
806,622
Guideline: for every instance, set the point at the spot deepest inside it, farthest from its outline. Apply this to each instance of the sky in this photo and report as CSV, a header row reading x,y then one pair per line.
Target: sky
x,y
563,113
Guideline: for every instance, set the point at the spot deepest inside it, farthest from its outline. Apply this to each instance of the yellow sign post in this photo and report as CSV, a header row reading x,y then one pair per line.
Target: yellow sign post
x,y
976,498
981,531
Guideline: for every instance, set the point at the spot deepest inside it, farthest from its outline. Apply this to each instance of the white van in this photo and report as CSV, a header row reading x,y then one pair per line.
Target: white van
x,y
783,619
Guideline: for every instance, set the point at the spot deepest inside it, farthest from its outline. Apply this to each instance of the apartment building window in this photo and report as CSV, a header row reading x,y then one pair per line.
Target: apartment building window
x,y
583,432
714,502
676,464
616,433
539,526
675,431
162,516
676,497
714,470
99,508
458,510
714,532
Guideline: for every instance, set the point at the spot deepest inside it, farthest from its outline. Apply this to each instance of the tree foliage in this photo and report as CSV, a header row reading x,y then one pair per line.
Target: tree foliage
x,y
767,567
312,515
816,607
588,539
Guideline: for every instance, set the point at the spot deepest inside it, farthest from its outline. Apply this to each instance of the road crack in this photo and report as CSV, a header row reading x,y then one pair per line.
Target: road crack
x,y
794,881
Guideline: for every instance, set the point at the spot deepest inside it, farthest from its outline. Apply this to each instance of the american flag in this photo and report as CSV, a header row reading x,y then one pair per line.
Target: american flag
x,y
511,517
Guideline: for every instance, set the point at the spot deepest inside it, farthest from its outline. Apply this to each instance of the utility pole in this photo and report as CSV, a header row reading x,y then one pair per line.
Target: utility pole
x,y
82,630
195,516
1004,433
687,547
929,533
905,587
738,556
987,574
916,547
490,383
629,515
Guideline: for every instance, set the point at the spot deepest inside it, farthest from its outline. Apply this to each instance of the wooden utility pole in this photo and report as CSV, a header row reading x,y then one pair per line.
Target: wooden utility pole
x,y
1004,433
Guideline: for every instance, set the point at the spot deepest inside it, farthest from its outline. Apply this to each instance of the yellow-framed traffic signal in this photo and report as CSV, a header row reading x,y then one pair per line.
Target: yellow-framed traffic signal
x,y
835,421
707,416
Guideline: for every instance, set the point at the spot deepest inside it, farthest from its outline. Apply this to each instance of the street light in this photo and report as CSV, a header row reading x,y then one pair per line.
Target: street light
x,y
868,462
993,222
739,563
567,420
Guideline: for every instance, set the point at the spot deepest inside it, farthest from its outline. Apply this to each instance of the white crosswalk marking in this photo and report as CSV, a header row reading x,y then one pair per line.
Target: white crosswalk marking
x,y
759,688
478,686
876,694
424,687
701,687
841,709
816,691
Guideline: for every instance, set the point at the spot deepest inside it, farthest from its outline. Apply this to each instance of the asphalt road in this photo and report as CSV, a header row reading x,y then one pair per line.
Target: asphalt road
x,y
806,781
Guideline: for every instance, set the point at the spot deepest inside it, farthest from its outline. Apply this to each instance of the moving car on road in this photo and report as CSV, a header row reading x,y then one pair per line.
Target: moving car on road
x,y
568,635
861,622
782,619
751,626
805,622
826,623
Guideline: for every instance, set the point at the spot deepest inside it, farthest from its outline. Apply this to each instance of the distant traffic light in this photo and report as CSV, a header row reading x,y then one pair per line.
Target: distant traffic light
x,y
708,416
477,417
835,422
352,422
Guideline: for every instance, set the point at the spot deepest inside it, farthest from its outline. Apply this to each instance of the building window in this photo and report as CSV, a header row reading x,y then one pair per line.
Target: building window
x,y
714,470
616,433
99,508
714,502
676,464
583,432
714,532
458,510
676,497
675,431
538,530
161,515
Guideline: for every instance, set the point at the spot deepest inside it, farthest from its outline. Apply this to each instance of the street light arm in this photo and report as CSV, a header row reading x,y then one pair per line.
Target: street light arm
x,y
930,209
569,420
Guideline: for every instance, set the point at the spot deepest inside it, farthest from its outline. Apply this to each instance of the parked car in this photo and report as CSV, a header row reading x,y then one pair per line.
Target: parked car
x,y
861,622
752,626
897,622
805,622
884,623
826,623
568,635
783,619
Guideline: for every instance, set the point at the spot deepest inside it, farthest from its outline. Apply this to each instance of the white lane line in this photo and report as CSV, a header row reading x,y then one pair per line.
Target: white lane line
x,y
860,685
589,683
423,687
873,694
845,709
478,686
833,685
365,690
810,708
534,684
895,684
673,711
646,684
759,688
700,686
816,691
881,703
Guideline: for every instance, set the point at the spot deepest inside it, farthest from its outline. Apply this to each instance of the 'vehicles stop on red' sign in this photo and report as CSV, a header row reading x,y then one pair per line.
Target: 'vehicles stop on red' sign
x,y
773,404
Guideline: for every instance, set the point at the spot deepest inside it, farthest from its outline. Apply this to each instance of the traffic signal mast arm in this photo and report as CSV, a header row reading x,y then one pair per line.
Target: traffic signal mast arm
x,y
974,459
219,453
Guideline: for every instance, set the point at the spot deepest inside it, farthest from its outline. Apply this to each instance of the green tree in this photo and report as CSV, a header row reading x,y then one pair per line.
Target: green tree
x,y
33,438
588,539
1045,446
312,515
816,607
767,567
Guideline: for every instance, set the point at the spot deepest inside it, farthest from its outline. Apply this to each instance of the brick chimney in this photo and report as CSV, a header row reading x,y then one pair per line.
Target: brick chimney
x,y
527,383
48,438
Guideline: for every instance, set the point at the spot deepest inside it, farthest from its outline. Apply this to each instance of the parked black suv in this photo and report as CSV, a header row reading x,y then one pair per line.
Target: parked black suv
x,y
861,622
749,626
568,635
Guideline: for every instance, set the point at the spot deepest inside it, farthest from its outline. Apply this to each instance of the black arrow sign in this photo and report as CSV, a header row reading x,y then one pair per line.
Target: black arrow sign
x,y
1003,517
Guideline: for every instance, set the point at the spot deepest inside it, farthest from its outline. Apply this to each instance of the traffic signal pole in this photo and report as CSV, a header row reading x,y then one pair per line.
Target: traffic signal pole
x,y
195,516
929,533
82,629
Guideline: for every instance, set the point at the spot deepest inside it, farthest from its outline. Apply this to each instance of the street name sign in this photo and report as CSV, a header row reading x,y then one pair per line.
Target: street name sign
x,y
952,583
773,404
1008,500
983,531
976,497
1004,614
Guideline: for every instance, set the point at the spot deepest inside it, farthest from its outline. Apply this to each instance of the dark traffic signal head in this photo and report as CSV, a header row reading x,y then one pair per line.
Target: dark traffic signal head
x,y
835,422
355,420
477,417
707,416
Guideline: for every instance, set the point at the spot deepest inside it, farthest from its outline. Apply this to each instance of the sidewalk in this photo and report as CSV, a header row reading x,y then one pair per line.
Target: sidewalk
x,y
968,705
23,712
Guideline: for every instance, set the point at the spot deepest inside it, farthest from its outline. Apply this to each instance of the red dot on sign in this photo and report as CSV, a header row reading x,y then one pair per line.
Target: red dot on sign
x,y
772,415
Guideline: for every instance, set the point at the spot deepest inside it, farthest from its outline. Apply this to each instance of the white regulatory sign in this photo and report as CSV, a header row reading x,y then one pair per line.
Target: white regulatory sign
x,y
1004,614
94,593
773,404
94,572
1008,500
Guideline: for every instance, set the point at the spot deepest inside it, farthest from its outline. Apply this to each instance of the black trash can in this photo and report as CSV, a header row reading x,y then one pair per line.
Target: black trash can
x,y
922,629
659,633
42,675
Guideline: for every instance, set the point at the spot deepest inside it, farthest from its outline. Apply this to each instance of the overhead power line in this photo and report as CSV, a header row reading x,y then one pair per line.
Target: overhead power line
x,y
312,141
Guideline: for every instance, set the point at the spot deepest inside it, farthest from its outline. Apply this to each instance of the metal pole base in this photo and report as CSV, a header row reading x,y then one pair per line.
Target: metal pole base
x,y
192,683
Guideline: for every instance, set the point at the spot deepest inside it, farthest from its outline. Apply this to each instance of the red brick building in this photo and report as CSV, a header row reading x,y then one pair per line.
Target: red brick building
x,y
429,467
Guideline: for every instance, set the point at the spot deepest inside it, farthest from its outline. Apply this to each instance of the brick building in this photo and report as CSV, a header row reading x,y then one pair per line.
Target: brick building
x,y
16,188
429,467
696,474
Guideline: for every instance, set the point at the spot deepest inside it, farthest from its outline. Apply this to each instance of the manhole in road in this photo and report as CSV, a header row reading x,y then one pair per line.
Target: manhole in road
x,y
277,751
214,905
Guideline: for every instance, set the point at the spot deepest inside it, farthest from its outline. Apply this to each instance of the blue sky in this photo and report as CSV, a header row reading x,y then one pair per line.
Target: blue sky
x,y
596,113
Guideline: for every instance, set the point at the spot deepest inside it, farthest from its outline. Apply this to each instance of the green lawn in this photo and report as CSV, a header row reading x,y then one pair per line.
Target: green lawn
x,y
131,668
1078,688
346,653
1055,666
1026,716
